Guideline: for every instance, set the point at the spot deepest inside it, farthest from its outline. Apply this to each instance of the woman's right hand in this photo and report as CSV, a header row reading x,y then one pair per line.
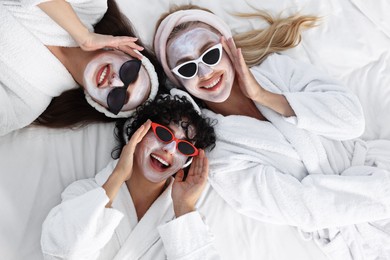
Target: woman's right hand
x,y
126,159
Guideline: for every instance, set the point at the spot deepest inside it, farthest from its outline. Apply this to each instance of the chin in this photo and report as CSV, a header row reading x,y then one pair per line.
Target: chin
x,y
157,177
220,98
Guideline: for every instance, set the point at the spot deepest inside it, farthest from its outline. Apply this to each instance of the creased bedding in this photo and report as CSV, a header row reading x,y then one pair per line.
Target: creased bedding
x,y
36,164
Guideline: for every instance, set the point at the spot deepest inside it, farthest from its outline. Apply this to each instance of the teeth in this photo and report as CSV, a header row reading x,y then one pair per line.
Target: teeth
x,y
160,160
103,75
212,84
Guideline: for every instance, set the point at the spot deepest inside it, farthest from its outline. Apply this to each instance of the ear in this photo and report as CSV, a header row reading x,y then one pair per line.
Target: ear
x,y
187,163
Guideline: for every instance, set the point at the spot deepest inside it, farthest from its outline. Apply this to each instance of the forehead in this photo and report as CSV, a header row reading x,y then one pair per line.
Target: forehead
x,y
191,40
111,56
179,130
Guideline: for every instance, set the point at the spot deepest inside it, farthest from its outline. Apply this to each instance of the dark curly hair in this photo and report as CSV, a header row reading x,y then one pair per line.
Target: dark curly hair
x,y
163,110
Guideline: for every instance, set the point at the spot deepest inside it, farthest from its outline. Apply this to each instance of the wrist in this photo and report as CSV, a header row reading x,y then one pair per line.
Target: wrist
x,y
262,96
121,174
183,209
81,35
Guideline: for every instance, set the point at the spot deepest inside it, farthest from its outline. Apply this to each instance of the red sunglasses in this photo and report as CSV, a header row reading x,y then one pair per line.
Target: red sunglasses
x,y
165,135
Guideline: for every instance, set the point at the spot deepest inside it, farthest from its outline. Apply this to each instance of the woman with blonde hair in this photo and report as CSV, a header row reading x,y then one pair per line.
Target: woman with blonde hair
x,y
285,149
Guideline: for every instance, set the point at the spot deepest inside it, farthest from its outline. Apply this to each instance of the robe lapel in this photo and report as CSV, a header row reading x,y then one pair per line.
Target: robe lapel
x,y
145,233
124,203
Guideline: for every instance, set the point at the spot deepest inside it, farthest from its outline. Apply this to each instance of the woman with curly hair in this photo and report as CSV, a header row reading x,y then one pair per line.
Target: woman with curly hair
x,y
134,208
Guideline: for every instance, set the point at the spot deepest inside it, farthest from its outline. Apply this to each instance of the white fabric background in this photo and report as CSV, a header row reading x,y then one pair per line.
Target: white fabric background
x,y
36,164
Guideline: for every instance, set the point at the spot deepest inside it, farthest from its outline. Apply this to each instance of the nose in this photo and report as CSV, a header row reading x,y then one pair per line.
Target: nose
x,y
115,81
170,147
204,70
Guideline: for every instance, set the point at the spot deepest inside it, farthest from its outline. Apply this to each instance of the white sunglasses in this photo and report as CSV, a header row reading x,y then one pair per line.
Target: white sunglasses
x,y
189,69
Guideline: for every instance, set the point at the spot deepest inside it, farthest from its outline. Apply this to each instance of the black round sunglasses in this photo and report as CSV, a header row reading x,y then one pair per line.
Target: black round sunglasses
x,y
128,73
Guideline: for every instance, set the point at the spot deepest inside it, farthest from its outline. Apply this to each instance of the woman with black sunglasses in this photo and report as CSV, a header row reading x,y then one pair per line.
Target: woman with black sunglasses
x,y
286,151
69,63
134,208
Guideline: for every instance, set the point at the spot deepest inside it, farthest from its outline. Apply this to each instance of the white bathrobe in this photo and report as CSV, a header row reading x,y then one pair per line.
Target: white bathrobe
x,y
303,171
30,74
81,227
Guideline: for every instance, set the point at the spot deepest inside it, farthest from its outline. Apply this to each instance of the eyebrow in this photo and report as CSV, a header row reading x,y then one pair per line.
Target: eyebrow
x,y
185,135
202,49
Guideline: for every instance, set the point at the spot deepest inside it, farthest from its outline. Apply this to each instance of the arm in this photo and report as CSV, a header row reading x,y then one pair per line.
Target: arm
x,y
64,15
321,104
250,87
360,194
83,223
304,96
124,168
80,226
188,227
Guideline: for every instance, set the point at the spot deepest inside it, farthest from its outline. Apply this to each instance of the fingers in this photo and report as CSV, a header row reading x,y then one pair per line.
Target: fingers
x,y
237,57
227,48
234,54
193,166
199,168
130,51
142,131
205,171
204,166
127,45
179,176
240,58
128,41
139,134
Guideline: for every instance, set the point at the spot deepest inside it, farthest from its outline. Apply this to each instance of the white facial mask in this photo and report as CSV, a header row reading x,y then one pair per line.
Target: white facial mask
x,y
101,75
211,83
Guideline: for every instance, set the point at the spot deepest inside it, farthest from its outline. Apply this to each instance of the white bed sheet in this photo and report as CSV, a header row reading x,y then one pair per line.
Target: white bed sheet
x,y
36,164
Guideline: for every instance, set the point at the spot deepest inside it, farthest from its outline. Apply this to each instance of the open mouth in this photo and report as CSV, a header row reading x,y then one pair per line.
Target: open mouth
x,y
102,75
159,163
213,84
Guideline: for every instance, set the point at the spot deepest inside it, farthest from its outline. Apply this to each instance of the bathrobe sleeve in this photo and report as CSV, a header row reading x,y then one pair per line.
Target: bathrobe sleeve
x,y
359,194
322,105
80,226
187,237
19,106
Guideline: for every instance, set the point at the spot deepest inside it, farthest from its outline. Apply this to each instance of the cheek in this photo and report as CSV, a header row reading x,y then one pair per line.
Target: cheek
x,y
180,160
147,144
226,64
98,95
189,84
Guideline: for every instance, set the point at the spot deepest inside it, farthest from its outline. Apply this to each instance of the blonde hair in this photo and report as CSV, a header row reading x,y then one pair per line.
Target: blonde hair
x,y
281,34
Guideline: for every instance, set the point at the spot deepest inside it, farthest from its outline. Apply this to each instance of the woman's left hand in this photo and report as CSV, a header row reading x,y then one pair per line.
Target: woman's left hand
x,y
94,41
245,78
185,193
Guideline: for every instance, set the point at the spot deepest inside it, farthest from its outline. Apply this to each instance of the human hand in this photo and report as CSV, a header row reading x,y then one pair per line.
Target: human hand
x,y
185,193
92,41
126,159
245,79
